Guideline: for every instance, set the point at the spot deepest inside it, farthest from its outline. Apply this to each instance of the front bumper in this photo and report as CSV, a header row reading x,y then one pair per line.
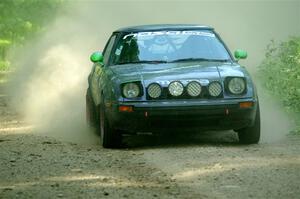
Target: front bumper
x,y
158,116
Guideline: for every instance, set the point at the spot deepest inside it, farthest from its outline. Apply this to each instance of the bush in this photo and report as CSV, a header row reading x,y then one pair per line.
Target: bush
x,y
280,72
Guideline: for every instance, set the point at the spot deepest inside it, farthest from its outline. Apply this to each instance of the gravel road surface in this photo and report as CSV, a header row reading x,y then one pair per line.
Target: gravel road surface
x,y
206,165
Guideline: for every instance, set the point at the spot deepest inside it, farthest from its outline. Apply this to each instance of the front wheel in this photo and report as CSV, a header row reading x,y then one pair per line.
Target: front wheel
x,y
109,137
251,135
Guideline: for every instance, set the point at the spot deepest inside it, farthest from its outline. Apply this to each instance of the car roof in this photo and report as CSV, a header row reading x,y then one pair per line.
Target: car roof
x,y
162,27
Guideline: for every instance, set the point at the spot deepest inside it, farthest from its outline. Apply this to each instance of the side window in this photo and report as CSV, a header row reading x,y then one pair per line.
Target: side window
x,y
108,49
117,53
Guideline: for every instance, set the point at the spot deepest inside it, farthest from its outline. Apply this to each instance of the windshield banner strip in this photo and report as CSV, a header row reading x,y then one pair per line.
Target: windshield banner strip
x,y
141,34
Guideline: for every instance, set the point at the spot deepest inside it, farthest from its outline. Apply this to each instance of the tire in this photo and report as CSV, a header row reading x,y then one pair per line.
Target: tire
x,y
91,115
251,135
109,137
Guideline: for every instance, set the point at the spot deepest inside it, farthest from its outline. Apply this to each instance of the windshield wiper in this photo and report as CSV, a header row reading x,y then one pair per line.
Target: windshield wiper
x,y
144,62
201,59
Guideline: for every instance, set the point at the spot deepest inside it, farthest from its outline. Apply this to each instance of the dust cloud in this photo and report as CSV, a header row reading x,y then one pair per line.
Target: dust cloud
x,y
50,83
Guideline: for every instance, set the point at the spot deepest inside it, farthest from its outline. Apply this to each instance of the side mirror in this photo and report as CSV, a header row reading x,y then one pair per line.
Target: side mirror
x,y
96,57
240,54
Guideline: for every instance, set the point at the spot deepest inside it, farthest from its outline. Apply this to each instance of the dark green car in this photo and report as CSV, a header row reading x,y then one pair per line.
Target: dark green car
x,y
170,78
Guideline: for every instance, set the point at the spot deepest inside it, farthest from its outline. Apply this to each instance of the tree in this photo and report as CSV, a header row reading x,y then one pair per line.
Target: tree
x,y
20,19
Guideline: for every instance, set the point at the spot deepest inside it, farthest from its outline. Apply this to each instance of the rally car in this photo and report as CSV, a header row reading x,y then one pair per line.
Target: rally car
x,y
170,78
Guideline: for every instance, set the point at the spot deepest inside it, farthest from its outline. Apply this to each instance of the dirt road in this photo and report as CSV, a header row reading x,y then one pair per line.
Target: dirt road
x,y
210,165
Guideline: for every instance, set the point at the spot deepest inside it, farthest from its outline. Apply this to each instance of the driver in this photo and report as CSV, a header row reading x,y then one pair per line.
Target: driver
x,y
161,46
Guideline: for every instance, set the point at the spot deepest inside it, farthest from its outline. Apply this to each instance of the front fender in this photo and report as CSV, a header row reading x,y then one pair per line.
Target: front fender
x,y
109,87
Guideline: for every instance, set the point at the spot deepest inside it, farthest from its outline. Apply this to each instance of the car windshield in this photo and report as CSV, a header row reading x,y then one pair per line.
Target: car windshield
x,y
169,46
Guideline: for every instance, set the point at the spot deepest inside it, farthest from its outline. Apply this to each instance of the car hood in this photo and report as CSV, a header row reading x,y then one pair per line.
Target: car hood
x,y
176,71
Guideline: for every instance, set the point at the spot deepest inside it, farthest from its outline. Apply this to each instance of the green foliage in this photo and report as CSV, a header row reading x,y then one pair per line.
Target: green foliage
x,y
20,19
4,65
280,72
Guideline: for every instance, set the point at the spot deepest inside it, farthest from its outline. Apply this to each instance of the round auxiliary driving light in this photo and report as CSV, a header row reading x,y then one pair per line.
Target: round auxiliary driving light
x,y
194,89
154,90
176,88
215,89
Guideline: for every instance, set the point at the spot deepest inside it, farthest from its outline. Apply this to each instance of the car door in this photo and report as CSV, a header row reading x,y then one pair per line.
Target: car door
x,y
99,71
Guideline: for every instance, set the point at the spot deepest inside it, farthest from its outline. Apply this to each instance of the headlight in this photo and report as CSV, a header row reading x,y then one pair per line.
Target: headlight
x,y
131,90
215,89
154,90
194,89
236,85
176,89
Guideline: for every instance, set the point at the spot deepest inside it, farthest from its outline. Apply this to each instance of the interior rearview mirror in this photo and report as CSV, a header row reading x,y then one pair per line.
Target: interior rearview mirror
x,y
96,57
240,54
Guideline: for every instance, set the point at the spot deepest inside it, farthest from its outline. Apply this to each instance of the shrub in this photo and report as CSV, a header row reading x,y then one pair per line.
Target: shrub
x,y
280,72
